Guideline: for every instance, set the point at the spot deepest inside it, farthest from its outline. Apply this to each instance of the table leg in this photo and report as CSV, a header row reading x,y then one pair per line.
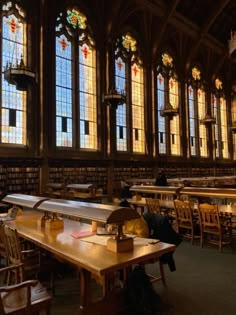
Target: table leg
x,y
85,279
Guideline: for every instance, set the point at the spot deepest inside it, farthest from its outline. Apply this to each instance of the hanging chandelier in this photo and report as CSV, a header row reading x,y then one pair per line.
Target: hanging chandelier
x,y
168,111
207,120
233,128
18,74
114,98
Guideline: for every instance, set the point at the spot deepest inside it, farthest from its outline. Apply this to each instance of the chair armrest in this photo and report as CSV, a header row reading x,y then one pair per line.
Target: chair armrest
x,y
11,267
25,284
30,251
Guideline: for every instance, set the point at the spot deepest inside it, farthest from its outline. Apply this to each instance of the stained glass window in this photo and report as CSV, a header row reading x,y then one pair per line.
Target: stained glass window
x,y
129,79
192,120
224,128
198,133
137,88
161,120
216,126
63,92
76,105
203,145
121,123
13,101
233,111
167,97
221,126
167,60
196,74
174,122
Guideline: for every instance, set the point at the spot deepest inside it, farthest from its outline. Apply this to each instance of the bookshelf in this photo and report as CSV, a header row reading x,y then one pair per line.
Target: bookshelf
x,y
19,177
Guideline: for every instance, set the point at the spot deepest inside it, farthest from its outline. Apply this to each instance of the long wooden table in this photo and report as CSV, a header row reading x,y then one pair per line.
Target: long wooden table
x,y
92,259
169,204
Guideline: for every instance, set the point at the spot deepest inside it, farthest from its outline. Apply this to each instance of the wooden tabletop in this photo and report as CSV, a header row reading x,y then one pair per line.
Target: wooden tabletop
x,y
91,258
95,258
209,192
151,189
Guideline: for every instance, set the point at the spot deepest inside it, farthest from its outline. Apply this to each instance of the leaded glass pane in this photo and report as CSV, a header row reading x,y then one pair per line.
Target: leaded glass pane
x,y
174,122
121,128
202,128
224,129
121,116
234,122
87,94
13,49
137,109
161,120
216,126
64,136
192,118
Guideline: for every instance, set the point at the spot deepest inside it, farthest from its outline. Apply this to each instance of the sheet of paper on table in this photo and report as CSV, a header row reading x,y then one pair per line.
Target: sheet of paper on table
x,y
102,240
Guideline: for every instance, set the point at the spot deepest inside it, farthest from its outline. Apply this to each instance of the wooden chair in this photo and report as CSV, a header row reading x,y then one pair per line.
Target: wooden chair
x,y
153,205
25,297
3,253
185,223
229,221
212,226
33,260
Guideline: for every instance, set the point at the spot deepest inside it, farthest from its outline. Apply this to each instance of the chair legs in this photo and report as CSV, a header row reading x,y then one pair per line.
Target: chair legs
x,y
161,276
162,273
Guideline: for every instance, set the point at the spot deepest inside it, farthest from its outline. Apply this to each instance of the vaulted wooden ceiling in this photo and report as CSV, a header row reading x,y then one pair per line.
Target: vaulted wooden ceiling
x,y
196,30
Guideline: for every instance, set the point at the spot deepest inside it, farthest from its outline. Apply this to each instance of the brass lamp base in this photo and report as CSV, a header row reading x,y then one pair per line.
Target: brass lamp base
x,y
120,245
54,224
50,223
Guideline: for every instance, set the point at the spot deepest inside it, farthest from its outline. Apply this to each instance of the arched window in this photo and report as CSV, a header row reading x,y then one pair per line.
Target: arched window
x,y
129,80
14,54
197,112
168,124
233,115
220,128
76,99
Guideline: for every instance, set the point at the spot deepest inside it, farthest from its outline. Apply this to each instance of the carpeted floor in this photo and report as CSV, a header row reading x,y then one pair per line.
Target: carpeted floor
x,y
203,284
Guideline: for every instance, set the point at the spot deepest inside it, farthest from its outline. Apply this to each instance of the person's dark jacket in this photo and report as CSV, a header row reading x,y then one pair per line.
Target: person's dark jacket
x,y
161,180
160,228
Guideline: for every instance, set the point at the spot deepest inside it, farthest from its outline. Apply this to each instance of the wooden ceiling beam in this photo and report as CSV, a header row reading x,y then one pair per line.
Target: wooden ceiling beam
x,y
166,20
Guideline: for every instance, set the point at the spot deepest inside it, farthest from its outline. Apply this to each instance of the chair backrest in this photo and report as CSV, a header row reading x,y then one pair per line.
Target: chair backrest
x,y
2,242
183,212
153,205
13,246
209,215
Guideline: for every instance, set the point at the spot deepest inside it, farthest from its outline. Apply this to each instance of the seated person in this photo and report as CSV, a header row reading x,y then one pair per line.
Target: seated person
x,y
137,227
161,180
160,228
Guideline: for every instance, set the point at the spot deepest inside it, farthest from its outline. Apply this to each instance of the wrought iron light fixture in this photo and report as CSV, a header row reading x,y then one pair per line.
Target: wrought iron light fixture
x,y
233,127
169,111
19,74
207,120
114,98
